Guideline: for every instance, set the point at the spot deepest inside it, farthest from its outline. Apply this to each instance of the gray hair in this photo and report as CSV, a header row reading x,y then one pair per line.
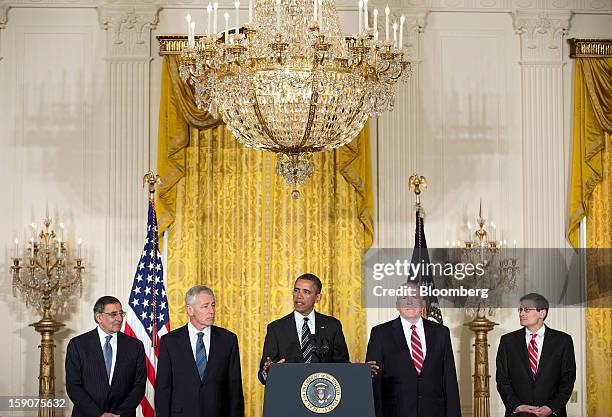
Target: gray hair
x,y
192,293
102,303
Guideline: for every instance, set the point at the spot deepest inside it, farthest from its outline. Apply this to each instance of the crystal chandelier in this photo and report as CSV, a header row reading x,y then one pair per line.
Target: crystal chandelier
x,y
289,82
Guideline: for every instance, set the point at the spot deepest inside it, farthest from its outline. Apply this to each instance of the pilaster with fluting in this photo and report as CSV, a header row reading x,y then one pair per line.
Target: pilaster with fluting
x,y
545,150
542,35
399,141
128,65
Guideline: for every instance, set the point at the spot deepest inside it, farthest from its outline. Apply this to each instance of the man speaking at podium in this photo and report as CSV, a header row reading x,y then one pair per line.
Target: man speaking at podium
x,y
303,336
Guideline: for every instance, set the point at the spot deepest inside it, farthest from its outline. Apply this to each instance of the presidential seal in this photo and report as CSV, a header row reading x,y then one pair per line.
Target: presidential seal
x,y
321,393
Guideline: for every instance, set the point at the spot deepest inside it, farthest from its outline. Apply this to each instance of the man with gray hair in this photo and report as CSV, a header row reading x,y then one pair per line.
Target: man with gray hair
x,y
105,369
198,370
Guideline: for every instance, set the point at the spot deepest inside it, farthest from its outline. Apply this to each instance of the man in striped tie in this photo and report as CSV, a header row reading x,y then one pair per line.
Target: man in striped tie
x,y
536,368
417,376
304,335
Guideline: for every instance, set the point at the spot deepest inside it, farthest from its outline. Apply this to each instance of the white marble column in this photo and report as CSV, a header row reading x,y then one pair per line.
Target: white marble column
x,y
544,153
128,64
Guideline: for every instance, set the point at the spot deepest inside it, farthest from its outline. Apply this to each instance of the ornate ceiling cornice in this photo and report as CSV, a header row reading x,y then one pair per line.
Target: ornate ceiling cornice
x,y
590,48
594,6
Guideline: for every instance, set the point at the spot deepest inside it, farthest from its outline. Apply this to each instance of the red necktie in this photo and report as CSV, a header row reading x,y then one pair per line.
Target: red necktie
x,y
417,350
533,355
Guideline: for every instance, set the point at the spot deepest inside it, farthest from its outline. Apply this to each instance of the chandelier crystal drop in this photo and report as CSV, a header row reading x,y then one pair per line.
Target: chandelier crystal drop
x,y
289,82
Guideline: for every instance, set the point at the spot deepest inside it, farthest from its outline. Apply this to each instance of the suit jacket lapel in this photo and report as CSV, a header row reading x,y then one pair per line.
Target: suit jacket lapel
x,y
430,343
319,336
523,354
547,347
294,341
96,349
400,339
210,362
119,357
188,352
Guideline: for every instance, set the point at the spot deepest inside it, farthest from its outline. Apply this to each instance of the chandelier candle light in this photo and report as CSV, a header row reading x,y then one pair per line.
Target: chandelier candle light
x,y
289,82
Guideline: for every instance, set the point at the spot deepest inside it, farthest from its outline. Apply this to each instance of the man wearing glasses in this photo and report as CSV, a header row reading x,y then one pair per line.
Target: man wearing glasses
x,y
105,369
536,368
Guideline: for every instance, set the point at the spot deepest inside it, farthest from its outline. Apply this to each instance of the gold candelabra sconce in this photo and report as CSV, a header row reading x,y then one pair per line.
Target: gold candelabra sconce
x,y
501,269
47,281
501,263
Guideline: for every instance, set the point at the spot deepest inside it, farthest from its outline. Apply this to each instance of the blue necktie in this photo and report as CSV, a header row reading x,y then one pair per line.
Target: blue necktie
x,y
201,355
108,356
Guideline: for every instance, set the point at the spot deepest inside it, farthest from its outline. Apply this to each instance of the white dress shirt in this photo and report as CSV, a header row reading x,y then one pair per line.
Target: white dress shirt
x,y
420,331
539,340
299,322
193,339
113,342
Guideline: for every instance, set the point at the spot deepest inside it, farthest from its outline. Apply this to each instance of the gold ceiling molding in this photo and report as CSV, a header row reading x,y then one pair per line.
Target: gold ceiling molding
x,y
171,44
590,48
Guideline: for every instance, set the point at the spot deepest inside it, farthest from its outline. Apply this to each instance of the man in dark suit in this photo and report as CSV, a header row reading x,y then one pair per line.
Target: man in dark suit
x,y
303,335
417,374
536,368
105,369
198,369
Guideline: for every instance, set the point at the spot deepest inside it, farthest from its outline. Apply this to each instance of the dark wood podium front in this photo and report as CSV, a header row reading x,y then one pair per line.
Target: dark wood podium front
x,y
325,389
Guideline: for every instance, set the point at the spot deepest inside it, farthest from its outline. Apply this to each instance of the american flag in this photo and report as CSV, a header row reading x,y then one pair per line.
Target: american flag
x,y
147,314
421,255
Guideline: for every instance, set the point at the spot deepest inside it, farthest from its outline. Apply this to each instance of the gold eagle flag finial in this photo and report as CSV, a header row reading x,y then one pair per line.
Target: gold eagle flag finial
x,y
151,179
417,181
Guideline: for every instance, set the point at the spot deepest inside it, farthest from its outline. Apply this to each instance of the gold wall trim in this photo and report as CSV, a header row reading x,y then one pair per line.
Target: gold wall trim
x,y
590,48
171,44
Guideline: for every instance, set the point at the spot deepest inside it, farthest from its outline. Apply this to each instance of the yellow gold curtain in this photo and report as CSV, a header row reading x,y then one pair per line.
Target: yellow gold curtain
x,y
592,122
234,227
591,196
598,313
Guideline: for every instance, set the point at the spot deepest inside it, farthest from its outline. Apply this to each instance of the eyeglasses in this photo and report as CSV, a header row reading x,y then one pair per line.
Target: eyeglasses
x,y
115,314
526,309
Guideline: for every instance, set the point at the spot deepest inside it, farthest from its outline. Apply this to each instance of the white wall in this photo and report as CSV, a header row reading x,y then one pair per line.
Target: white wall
x,y
79,98
487,114
53,151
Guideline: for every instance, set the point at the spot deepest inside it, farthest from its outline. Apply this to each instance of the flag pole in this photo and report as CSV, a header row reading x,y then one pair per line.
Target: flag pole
x,y
151,179
415,182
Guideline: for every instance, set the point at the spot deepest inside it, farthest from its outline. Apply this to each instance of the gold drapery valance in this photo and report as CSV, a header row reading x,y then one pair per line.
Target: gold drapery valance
x,y
592,124
234,227
591,196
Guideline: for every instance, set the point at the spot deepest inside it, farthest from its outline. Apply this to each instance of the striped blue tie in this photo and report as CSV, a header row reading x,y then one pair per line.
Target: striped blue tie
x,y
201,355
108,356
